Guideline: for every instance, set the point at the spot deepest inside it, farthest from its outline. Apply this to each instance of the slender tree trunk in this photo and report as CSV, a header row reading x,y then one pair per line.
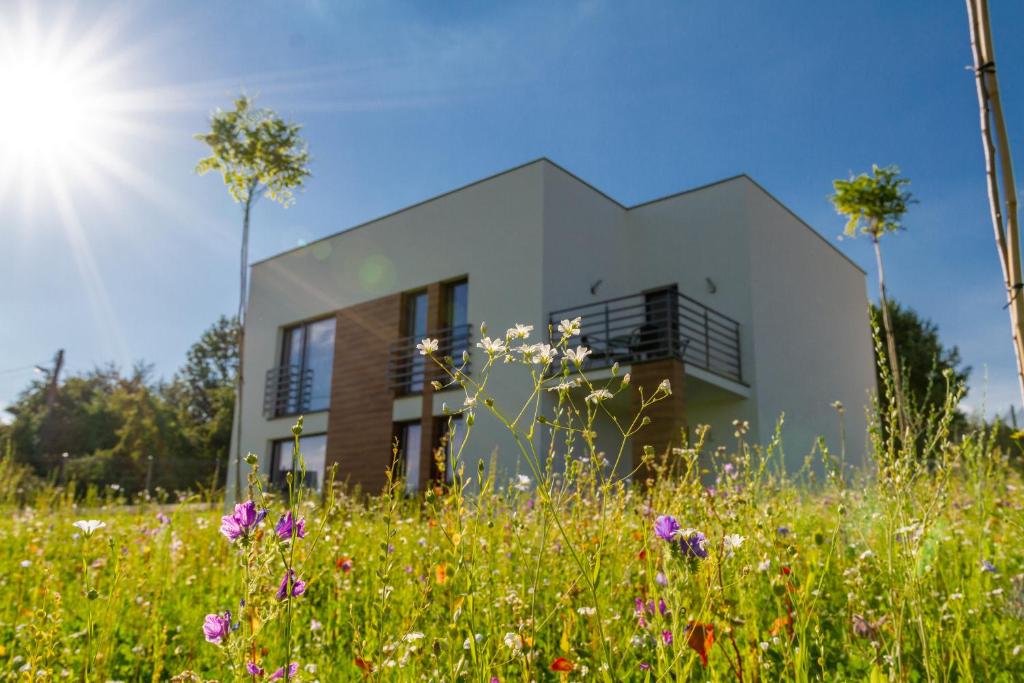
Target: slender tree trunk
x,y
890,343
240,381
991,114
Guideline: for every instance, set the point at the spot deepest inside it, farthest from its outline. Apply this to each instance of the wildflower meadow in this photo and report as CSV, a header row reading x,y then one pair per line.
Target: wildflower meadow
x,y
698,565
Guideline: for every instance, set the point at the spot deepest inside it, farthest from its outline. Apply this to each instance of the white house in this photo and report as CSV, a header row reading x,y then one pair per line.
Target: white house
x,y
749,311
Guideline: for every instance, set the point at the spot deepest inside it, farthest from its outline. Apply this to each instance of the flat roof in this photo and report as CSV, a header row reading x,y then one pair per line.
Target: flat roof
x,y
581,181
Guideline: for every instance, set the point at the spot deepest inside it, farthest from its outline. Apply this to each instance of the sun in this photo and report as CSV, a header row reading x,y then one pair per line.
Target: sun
x,y
48,107
57,106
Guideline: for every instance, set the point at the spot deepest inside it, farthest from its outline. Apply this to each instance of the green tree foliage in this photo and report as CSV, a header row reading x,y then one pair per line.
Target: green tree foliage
x,y
924,363
128,429
875,205
257,154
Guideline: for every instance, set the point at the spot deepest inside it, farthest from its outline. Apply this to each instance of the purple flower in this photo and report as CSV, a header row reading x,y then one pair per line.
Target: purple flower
x,y
661,579
287,528
216,627
644,666
254,669
638,606
782,531
662,607
293,669
666,637
162,518
298,586
239,522
666,527
987,566
694,544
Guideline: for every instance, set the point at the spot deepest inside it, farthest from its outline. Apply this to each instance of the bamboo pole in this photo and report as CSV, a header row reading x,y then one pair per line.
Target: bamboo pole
x,y
1005,225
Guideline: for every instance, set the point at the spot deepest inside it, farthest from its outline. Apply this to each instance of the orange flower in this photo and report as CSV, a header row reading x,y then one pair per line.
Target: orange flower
x,y
562,664
700,638
441,572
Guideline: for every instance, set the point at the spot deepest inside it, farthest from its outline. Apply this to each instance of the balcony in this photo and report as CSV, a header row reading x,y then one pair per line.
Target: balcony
x,y
657,325
287,391
407,368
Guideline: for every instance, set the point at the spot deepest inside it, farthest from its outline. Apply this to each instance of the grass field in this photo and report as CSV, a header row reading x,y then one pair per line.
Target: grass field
x,y
716,566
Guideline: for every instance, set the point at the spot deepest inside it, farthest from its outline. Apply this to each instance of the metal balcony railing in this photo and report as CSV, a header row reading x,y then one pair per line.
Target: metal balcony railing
x,y
407,369
656,325
287,391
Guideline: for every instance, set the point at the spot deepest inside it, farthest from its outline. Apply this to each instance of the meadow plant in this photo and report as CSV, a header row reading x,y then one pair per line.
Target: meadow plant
x,y
693,564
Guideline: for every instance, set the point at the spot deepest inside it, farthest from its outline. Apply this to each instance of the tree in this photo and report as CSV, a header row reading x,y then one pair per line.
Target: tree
x,y
874,205
203,391
997,153
257,154
924,362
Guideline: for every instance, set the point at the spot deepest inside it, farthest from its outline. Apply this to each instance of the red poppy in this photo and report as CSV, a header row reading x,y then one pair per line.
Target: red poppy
x,y
562,664
344,563
700,638
786,570
364,665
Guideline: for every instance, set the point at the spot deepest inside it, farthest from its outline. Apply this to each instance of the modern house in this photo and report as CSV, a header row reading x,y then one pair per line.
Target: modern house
x,y
721,289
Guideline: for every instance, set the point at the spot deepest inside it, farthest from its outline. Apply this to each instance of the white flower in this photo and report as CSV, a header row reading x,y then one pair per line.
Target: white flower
x,y
26,564
665,387
545,354
427,346
598,395
566,385
763,567
866,554
764,645
493,347
470,401
89,525
956,596
410,637
520,331
528,351
733,541
586,611
315,625
513,641
520,483
568,328
578,355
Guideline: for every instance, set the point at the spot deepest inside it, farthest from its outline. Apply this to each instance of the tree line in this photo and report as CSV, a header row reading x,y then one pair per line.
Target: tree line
x,y
109,427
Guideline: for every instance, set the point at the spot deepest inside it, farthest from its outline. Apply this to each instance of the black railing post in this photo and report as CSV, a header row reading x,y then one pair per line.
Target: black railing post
x,y
707,341
607,334
739,356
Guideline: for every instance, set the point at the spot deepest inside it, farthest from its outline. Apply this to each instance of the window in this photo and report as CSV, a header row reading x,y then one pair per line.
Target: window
x,y
457,318
416,329
409,442
314,453
308,350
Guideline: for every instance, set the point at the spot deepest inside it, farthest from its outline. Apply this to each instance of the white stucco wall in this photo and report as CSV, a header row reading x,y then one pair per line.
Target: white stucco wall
x,y
812,344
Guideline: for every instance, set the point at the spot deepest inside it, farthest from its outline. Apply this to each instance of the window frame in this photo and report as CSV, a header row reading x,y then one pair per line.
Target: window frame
x,y
284,353
274,470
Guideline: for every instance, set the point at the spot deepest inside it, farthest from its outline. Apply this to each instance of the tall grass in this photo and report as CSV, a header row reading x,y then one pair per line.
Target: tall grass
x,y
911,570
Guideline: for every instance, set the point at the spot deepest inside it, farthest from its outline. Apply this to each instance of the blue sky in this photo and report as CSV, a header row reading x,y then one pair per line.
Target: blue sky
x,y
132,255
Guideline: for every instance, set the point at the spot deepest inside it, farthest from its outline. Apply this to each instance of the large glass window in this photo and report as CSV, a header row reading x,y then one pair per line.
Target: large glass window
x,y
457,318
308,350
314,453
416,328
409,442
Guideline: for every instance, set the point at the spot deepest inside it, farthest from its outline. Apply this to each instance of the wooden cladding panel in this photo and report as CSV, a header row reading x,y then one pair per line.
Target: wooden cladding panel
x,y
359,426
668,416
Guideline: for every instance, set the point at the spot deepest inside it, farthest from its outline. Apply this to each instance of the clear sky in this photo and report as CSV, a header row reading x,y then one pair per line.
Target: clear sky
x,y
113,249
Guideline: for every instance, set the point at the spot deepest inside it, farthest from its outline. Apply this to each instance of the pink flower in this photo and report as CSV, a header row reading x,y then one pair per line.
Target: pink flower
x,y
239,522
293,669
298,586
254,669
216,627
